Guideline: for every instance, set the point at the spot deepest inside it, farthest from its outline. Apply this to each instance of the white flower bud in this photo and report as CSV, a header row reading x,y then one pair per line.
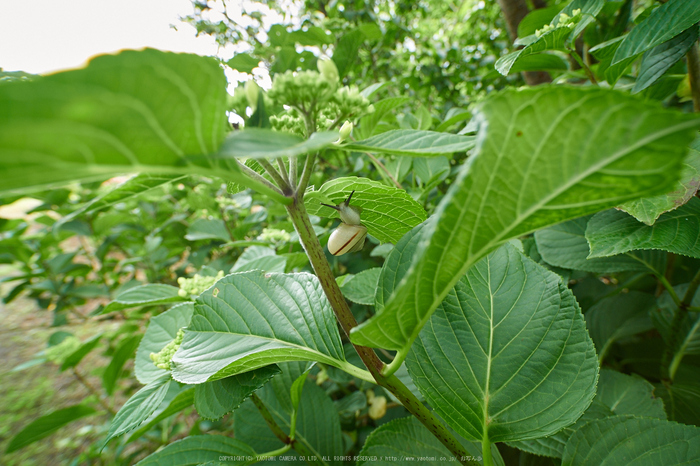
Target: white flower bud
x,y
345,130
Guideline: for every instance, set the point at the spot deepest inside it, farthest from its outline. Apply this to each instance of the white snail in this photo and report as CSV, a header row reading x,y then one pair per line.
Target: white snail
x,y
350,234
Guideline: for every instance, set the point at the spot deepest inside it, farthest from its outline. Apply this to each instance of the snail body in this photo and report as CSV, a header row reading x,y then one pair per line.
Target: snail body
x,y
350,234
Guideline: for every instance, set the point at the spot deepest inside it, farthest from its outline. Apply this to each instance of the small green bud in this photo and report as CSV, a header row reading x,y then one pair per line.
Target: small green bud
x,y
252,91
328,70
345,131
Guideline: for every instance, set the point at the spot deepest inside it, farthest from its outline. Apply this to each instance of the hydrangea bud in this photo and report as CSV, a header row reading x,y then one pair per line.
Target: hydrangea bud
x,y
328,70
252,90
345,131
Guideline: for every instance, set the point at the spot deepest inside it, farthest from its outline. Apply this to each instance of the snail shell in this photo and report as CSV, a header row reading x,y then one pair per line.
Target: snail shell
x,y
350,234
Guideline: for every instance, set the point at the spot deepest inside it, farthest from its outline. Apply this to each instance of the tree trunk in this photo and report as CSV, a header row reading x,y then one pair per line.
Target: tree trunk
x,y
513,12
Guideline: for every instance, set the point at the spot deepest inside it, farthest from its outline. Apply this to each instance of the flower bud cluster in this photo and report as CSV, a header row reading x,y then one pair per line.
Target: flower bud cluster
x,y
58,353
288,122
193,287
163,357
565,21
275,236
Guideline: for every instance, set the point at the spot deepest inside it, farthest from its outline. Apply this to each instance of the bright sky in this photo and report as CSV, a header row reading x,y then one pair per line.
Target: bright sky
x,y
41,36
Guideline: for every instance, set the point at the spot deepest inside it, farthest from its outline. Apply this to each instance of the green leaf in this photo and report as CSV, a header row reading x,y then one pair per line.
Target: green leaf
x,y
46,425
633,440
313,35
387,212
243,62
687,340
524,176
627,394
123,353
648,209
201,449
539,62
140,406
297,387
506,356
76,356
260,142
664,23
658,60
145,111
135,186
260,258
555,39
318,424
161,330
614,232
205,228
619,316
411,142
144,295
361,288
368,123
346,51
277,318
565,246
431,170
682,397
617,394
398,440
174,402
215,399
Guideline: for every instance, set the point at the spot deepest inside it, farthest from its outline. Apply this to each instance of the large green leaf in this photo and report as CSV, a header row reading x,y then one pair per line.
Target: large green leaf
x,y
252,319
46,425
368,124
145,295
614,232
208,228
565,246
145,111
161,330
318,424
506,356
387,212
556,39
619,316
648,209
529,173
259,142
617,394
664,23
259,258
632,440
406,439
413,142
220,397
174,402
658,60
140,406
682,397
201,449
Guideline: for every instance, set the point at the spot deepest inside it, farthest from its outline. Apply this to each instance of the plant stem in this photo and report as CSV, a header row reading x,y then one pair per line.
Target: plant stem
x,y
269,420
676,326
270,454
486,451
93,391
257,182
305,175
585,67
383,168
693,57
276,429
283,171
317,257
283,185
